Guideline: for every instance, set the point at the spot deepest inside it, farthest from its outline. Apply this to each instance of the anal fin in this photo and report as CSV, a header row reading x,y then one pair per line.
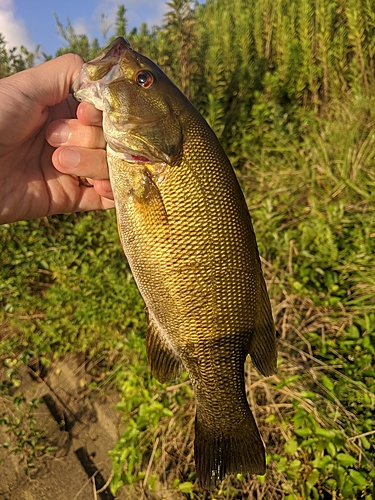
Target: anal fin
x,y
164,363
263,350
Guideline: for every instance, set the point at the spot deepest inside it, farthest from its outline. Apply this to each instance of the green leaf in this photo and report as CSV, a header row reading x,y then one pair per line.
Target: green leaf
x,y
167,412
340,475
44,265
152,481
312,478
287,381
358,478
299,418
325,433
270,419
321,463
315,493
303,432
187,488
332,484
308,394
291,446
345,459
331,448
348,489
328,384
282,465
295,464
365,443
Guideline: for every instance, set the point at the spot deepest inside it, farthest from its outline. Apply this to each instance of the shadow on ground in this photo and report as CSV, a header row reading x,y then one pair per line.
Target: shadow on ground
x,y
79,429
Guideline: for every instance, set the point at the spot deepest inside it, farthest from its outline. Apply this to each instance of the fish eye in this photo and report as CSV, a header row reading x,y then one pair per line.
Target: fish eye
x,y
144,79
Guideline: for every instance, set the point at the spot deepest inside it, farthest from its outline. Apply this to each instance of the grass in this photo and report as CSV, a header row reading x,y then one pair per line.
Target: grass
x,y
65,287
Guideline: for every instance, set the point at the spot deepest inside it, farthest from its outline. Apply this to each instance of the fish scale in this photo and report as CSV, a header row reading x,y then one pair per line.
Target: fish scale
x,y
189,240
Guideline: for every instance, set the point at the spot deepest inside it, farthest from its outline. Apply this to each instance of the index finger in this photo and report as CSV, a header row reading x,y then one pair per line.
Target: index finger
x,y
87,114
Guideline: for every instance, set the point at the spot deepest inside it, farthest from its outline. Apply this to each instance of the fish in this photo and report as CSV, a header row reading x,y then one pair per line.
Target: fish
x,y
187,234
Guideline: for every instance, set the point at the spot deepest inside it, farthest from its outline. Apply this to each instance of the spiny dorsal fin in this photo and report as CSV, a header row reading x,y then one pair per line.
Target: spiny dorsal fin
x,y
263,349
165,364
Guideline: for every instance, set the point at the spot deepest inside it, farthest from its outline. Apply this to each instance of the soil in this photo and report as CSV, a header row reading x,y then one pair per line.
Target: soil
x,y
81,427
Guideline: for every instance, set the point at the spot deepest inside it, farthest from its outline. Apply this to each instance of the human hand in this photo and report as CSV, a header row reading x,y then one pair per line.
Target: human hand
x,y
37,115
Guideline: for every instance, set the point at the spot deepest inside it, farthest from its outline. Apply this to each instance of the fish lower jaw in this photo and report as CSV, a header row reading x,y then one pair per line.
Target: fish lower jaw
x,y
86,91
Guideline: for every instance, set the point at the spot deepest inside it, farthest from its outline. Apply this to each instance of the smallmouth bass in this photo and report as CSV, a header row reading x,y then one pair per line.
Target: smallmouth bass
x,y
189,240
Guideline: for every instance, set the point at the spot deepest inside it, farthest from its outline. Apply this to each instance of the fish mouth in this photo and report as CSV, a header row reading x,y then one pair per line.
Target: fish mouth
x,y
104,67
113,51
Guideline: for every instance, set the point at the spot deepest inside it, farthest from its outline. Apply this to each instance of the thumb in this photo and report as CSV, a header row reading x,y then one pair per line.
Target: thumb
x,y
50,82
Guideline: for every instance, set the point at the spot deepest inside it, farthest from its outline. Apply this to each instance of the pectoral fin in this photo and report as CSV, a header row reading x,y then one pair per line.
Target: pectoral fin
x,y
165,364
263,349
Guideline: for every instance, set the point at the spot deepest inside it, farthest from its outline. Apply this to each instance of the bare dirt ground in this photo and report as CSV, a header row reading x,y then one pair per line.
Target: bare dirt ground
x,y
80,428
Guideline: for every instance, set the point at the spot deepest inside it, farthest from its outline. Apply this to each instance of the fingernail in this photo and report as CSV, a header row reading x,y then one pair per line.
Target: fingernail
x,y
59,132
106,186
69,158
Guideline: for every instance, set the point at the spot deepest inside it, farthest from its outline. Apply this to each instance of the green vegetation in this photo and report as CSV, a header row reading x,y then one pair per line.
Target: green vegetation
x,y
13,60
289,89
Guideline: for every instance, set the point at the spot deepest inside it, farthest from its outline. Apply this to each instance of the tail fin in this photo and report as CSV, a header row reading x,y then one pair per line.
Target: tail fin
x,y
242,451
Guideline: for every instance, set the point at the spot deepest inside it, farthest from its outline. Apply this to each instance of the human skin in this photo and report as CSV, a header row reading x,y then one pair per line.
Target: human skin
x,y
47,142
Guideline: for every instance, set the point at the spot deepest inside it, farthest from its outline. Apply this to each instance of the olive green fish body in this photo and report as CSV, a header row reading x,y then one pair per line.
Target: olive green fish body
x,y
187,234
